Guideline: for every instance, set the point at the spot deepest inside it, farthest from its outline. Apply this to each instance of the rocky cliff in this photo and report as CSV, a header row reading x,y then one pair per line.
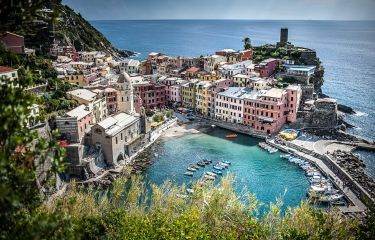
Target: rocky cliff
x,y
45,22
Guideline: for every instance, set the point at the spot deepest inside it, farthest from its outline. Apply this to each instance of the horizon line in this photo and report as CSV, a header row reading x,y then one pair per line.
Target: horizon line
x,y
234,19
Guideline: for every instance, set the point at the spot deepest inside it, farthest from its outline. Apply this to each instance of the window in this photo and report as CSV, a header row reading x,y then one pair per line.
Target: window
x,y
116,140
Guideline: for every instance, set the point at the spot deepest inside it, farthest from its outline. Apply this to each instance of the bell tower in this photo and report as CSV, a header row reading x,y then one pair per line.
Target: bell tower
x,y
125,101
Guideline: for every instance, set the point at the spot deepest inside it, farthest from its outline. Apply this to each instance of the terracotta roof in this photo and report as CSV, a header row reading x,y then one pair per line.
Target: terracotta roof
x,y
4,69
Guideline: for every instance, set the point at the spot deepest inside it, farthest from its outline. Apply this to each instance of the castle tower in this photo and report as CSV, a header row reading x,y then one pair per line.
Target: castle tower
x,y
125,101
283,36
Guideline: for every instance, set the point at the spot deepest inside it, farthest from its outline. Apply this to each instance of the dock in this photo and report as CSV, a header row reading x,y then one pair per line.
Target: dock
x,y
356,204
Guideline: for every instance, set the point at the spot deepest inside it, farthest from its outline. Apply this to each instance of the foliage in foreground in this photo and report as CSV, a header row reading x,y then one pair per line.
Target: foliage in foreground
x,y
214,212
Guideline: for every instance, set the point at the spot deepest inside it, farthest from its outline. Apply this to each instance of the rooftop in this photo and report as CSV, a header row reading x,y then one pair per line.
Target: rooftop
x,y
79,112
237,92
273,92
240,76
305,68
83,94
4,69
115,124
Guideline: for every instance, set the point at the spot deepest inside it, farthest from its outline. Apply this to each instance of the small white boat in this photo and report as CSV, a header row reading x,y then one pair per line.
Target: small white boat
x,y
213,125
191,169
286,156
188,174
331,198
208,177
224,164
211,174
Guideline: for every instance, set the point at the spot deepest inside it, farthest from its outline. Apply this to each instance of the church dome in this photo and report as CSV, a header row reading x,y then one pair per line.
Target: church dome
x,y
124,77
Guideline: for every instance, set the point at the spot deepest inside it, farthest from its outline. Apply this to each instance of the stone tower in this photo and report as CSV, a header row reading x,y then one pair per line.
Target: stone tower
x,y
125,102
283,36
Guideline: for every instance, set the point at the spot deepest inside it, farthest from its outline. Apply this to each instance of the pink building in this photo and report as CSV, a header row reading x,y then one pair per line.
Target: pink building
x,y
267,67
74,124
173,89
269,110
217,87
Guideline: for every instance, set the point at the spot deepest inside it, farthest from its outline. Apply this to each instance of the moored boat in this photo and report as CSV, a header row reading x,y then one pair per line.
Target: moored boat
x,y
218,167
211,174
191,169
188,174
231,136
201,164
226,162
218,172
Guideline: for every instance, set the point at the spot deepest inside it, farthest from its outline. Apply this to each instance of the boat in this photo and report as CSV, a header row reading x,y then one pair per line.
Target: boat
x,y
195,167
331,198
218,167
338,203
262,144
223,164
207,162
226,162
191,169
208,177
231,136
188,174
272,150
286,156
201,164
213,125
218,172
211,174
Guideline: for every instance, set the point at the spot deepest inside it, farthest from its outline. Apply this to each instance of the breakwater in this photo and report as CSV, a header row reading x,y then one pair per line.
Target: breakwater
x,y
357,196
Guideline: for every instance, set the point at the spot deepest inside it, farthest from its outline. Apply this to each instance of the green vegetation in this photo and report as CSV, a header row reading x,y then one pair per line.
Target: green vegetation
x,y
40,29
21,152
158,117
212,212
246,43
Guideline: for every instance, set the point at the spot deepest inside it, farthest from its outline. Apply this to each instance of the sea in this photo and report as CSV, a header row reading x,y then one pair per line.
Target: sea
x,y
345,48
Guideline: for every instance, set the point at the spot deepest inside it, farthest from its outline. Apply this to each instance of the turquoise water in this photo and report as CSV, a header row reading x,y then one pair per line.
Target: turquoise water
x,y
266,175
346,49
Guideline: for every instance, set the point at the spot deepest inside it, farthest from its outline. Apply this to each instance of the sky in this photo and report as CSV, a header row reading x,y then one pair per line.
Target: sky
x,y
225,9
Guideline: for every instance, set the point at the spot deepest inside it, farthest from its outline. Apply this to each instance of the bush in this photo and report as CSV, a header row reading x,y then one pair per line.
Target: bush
x,y
159,117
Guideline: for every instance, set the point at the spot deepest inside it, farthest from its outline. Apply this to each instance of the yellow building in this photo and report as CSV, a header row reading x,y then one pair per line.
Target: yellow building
x,y
209,77
188,91
201,97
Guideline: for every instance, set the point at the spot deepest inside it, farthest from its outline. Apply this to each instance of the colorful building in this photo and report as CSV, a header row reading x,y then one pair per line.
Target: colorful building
x,y
188,91
267,67
152,94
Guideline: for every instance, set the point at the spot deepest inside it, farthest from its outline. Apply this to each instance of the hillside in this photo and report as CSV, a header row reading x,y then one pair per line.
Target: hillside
x,y
45,22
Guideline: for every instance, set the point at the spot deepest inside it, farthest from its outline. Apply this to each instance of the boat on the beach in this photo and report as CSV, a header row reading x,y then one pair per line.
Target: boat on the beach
x,y
188,174
231,135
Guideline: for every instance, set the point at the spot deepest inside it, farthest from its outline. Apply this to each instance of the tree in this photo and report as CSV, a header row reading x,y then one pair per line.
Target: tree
x,y
247,43
21,149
